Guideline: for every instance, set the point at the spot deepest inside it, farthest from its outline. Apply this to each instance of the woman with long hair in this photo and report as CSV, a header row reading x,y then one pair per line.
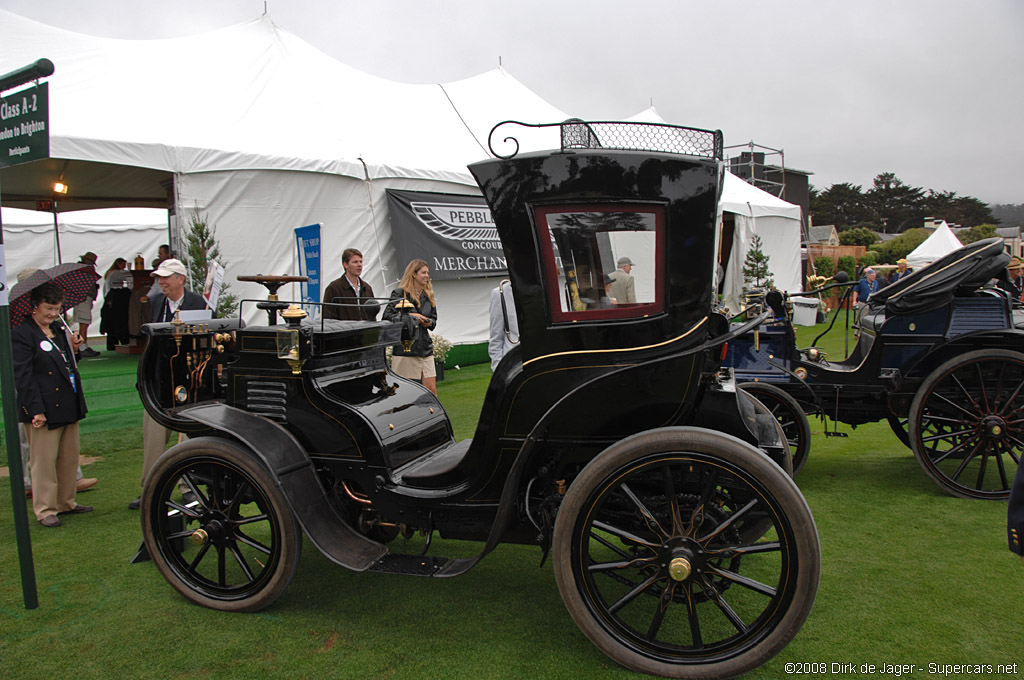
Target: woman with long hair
x,y
416,363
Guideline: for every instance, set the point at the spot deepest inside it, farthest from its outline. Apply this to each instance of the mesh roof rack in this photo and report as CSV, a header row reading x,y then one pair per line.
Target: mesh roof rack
x,y
623,136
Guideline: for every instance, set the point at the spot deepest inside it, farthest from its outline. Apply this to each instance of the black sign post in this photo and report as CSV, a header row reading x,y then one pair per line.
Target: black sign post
x,y
27,112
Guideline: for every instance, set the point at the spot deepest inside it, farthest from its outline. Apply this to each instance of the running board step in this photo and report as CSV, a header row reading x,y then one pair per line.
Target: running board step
x,y
409,565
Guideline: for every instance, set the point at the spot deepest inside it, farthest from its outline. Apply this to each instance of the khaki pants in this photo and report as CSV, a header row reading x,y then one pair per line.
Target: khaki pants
x,y
53,455
154,442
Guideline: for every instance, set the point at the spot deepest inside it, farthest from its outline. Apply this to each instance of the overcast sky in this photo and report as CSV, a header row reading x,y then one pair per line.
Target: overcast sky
x,y
932,90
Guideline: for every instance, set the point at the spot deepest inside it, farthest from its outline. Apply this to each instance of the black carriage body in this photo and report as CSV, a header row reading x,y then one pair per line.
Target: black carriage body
x,y
375,438
610,435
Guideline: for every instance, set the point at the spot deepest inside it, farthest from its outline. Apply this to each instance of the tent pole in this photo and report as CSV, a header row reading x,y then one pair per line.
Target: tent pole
x,y
10,412
373,219
56,232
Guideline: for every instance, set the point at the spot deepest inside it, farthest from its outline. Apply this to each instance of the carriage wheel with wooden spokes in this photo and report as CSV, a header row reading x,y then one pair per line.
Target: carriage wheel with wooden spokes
x,y
967,423
652,561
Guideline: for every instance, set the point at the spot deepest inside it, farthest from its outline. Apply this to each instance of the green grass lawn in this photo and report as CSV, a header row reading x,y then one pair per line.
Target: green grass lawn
x,y
910,575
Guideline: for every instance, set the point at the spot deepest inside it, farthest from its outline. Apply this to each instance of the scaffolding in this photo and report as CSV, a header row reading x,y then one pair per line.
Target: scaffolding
x,y
751,167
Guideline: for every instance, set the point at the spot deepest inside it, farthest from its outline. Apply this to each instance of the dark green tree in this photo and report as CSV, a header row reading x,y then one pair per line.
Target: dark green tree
x,y
966,211
901,246
858,236
841,204
755,265
982,231
895,205
824,266
201,245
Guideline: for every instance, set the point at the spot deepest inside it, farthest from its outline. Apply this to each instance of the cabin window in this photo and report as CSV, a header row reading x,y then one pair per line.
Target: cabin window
x,y
602,261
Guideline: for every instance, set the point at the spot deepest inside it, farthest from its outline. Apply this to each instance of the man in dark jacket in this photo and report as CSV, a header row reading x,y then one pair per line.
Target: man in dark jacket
x,y
172,298
349,290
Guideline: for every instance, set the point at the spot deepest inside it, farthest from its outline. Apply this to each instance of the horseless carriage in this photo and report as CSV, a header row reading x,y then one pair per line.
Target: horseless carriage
x,y
938,355
610,436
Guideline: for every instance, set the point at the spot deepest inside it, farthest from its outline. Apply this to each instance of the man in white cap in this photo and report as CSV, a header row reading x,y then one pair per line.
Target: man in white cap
x,y
622,290
172,298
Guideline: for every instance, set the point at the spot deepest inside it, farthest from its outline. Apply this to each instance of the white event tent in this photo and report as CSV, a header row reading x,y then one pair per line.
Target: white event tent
x,y
941,242
776,222
262,133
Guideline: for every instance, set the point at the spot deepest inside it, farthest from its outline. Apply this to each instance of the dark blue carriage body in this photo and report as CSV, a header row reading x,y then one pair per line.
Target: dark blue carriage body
x,y
904,333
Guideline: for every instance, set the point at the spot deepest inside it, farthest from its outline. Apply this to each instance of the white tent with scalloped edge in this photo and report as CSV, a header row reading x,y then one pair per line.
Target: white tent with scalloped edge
x,y
261,133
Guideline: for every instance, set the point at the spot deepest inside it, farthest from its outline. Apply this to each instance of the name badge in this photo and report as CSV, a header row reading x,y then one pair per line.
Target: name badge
x,y
45,346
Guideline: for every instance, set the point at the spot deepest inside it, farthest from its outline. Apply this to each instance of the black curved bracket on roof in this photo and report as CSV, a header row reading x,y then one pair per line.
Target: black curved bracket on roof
x,y
623,136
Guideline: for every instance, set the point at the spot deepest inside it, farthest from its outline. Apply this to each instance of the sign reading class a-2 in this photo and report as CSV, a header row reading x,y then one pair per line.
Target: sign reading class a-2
x,y
25,125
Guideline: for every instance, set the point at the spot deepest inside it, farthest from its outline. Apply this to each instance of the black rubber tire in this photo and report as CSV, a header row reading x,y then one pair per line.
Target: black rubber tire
x,y
900,427
254,543
966,429
791,417
785,458
674,494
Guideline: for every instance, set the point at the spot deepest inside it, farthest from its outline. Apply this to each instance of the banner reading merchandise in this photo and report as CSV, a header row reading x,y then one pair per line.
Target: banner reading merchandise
x,y
307,240
25,126
453,233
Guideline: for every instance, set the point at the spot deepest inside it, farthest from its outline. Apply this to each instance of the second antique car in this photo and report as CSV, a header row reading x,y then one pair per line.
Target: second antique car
x,y
610,436
938,355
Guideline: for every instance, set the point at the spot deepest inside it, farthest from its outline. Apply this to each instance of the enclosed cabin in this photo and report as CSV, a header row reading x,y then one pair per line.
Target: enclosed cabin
x,y
610,242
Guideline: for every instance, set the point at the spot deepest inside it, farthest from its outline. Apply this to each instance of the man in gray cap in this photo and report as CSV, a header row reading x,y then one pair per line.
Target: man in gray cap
x,y
623,289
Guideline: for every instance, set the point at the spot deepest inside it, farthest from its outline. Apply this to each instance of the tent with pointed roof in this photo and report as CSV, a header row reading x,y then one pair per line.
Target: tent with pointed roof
x,y
260,133
941,242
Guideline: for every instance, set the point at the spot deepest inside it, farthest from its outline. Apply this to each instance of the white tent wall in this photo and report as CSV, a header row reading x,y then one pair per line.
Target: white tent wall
x,y
255,213
775,221
110,233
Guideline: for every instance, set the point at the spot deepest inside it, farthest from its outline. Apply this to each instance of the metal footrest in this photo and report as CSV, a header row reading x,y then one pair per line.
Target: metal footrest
x,y
410,565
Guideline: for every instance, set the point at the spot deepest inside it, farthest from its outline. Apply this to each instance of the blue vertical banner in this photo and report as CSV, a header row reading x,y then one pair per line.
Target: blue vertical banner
x,y
307,240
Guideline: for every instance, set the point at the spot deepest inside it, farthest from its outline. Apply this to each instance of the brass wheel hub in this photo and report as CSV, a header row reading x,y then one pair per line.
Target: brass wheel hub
x,y
199,537
993,427
679,568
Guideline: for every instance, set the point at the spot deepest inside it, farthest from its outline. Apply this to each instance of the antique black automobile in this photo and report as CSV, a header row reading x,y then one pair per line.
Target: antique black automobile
x,y
938,356
610,435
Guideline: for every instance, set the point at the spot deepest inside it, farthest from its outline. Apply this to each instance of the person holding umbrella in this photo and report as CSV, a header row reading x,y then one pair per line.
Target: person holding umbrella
x,y
50,401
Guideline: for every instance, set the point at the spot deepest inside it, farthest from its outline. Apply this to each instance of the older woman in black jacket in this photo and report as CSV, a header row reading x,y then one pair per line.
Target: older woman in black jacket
x,y
50,403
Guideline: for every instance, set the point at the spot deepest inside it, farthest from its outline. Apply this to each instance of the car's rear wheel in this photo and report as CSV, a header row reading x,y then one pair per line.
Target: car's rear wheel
x,y
652,563
967,423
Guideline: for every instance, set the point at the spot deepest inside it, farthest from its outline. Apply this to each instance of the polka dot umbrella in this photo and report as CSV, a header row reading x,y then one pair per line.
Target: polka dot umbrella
x,y
77,279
